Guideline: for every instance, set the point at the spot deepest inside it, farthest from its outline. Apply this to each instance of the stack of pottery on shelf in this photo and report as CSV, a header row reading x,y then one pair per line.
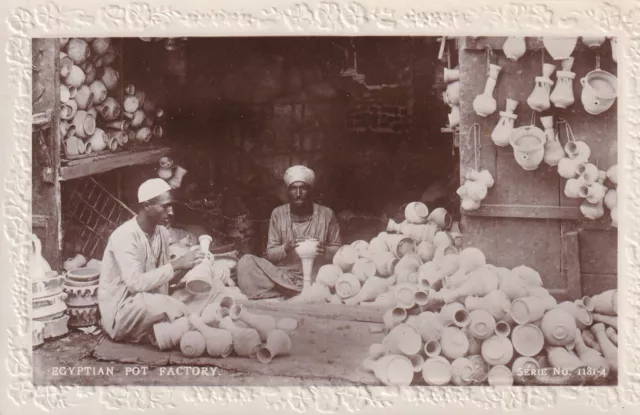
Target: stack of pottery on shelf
x,y
93,116
452,95
224,328
373,273
48,307
468,322
173,175
81,288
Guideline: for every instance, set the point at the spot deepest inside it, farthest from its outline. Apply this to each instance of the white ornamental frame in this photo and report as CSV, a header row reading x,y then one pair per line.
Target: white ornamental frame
x,y
453,18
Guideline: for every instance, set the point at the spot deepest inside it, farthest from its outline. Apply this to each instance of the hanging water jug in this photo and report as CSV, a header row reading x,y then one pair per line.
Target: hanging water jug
x,y
562,95
514,48
484,104
560,47
599,91
539,100
502,131
528,146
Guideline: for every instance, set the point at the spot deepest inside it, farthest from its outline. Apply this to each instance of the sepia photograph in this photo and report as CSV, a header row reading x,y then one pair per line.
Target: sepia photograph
x,y
324,211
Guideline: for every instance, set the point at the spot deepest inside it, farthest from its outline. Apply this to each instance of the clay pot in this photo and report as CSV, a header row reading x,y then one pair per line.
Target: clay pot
x,y
347,285
98,140
65,65
512,285
169,335
611,199
614,48
612,174
143,135
99,91
527,309
75,77
612,335
500,376
559,327
384,300
608,320
453,93
68,109
394,317
454,314
562,95
405,294
199,279
578,151
117,137
246,342
109,56
178,175
400,245
136,118
593,211
441,217
371,289
74,146
193,344
278,344
461,371
416,212
328,275
109,109
593,42
524,369
451,75
590,340
89,72
480,284
484,104
394,370
482,325
527,339
78,50
454,343
514,48
425,251
264,324
407,268
590,357
560,47
606,303
345,258
504,128
403,339
110,77
130,104
528,146
497,350
563,359
503,329
539,100
497,303
454,117
579,312
100,45
599,91
436,371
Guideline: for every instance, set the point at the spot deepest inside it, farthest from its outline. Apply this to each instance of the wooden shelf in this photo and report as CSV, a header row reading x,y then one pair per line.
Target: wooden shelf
x,y
75,169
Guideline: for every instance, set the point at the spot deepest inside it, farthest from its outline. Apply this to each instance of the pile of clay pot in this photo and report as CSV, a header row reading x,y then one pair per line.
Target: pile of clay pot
x,y
94,118
368,273
81,281
466,322
224,328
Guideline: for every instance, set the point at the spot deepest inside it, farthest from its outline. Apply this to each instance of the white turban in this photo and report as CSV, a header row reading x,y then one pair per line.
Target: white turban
x,y
299,174
152,188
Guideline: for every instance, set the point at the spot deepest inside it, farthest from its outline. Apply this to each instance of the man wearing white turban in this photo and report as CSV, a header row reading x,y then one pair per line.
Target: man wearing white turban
x,y
133,293
279,274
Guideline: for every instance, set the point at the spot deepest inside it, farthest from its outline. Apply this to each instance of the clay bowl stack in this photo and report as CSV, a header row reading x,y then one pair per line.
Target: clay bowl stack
x,y
81,288
48,301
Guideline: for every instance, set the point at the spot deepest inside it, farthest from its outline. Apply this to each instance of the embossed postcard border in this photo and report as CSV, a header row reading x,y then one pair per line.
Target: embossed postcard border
x,y
24,20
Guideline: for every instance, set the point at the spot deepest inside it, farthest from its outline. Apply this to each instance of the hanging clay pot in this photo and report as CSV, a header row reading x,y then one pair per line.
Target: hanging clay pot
x,y
497,350
65,65
403,339
109,76
78,50
85,124
560,47
453,93
606,303
612,174
497,303
75,77
611,199
502,131
328,275
347,285
454,117
193,344
578,151
451,75
614,48
593,193
264,323
599,91
528,146
562,95
559,327
527,309
168,335
484,104
454,343
246,342
436,371
593,42
593,211
278,343
539,98
553,151
345,258
514,48
394,370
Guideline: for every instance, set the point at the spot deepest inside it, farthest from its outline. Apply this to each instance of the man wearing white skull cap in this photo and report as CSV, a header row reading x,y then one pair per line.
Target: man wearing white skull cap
x,y
133,294
279,274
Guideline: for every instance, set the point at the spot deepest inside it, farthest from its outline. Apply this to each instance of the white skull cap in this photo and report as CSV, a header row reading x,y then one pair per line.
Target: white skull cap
x,y
152,188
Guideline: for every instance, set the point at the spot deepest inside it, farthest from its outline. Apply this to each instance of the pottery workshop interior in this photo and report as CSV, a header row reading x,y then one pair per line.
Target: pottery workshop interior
x,y
473,181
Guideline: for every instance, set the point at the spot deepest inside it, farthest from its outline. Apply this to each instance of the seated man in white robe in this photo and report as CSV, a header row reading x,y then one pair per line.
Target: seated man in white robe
x,y
136,270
